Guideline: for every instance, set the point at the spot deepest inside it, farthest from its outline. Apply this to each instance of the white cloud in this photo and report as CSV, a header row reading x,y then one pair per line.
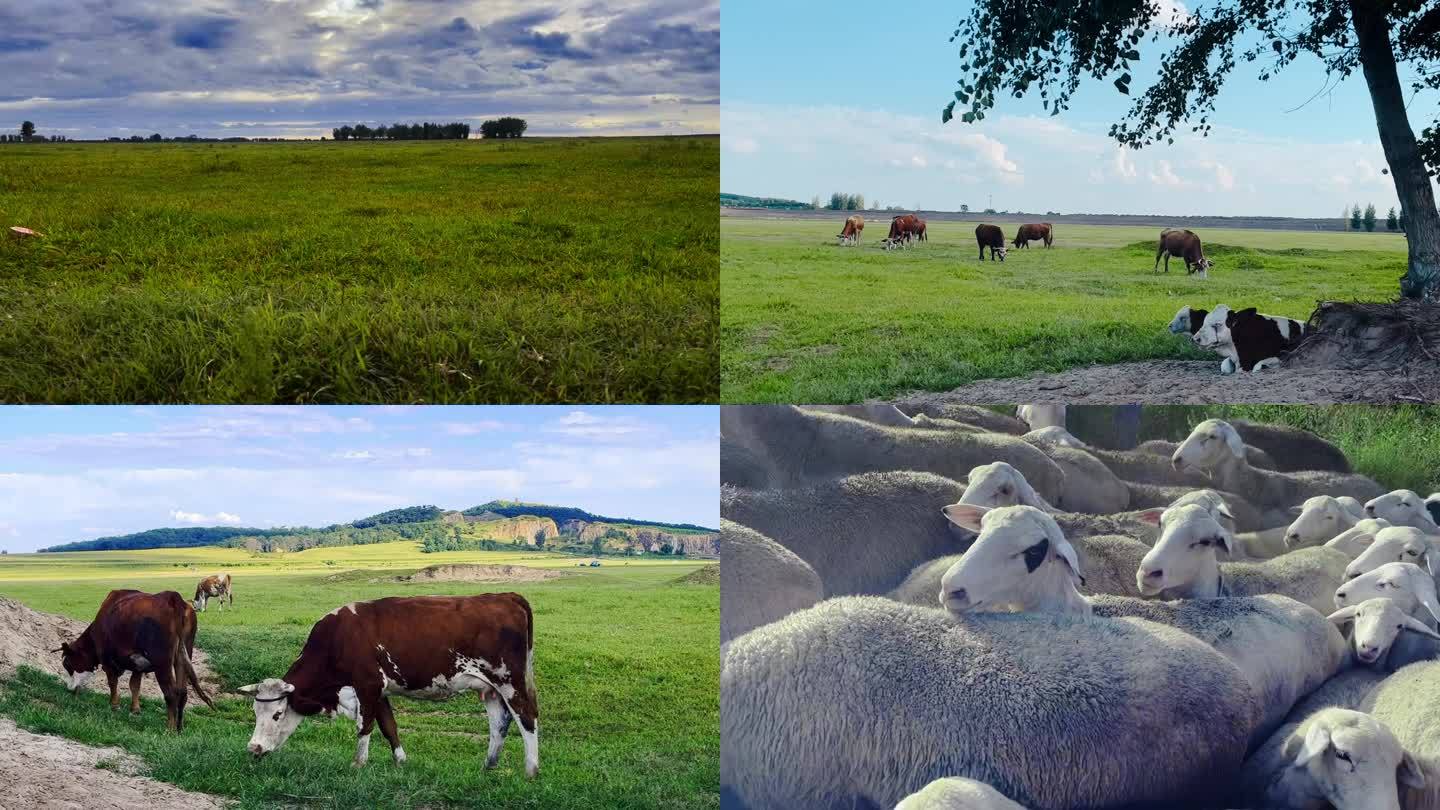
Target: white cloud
x,y
740,145
473,428
199,518
1164,175
1170,13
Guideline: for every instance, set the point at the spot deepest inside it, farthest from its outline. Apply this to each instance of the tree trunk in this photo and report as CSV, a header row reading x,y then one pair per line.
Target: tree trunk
x,y
1397,139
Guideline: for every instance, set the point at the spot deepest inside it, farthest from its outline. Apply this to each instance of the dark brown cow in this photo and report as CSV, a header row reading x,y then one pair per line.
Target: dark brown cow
x,y
1043,232
992,237
429,647
140,633
215,586
1186,245
854,227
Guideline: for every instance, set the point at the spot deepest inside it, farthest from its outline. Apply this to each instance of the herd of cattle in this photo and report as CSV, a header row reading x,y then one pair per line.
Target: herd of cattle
x,y
356,657
954,608
1247,340
907,229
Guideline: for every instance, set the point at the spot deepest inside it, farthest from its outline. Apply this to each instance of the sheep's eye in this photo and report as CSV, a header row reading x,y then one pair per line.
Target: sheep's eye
x,y
1204,543
1342,755
1005,490
1380,585
1412,553
1329,517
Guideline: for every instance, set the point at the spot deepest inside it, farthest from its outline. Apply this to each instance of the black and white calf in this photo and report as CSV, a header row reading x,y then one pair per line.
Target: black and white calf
x,y
1188,320
1247,339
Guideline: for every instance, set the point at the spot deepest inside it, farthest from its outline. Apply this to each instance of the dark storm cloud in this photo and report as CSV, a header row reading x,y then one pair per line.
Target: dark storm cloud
x,y
213,67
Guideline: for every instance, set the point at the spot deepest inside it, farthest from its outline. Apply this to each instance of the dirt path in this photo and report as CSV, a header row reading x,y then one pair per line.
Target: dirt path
x,y
53,773
1199,382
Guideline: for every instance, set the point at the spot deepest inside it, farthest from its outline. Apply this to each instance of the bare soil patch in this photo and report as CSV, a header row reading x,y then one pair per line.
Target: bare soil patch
x,y
481,573
1200,382
53,773
29,636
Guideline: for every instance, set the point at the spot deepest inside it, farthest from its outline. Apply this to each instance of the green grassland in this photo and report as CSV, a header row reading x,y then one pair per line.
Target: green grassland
x,y
424,271
804,320
626,662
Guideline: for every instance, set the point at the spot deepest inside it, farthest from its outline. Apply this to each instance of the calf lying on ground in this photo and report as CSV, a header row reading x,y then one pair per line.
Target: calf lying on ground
x,y
1247,339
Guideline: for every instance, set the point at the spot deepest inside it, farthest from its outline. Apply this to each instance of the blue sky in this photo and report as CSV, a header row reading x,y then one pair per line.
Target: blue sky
x,y
840,96
297,68
75,473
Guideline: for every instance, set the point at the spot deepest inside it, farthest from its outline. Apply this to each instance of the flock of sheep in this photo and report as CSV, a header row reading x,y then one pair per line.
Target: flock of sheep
x,y
953,608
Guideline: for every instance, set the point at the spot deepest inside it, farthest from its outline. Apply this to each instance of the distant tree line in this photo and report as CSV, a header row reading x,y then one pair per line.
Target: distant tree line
x,y
1357,219
840,201
503,128
410,514
427,131
27,135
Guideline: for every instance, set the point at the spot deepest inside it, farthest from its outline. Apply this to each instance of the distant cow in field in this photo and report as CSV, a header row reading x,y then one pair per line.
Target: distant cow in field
x,y
1248,340
1183,244
992,237
139,633
427,647
216,586
1043,232
854,227
905,229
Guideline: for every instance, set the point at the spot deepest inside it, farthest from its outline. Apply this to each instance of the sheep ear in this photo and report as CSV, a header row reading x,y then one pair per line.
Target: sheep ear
x,y
249,689
965,515
1424,587
1296,510
1415,625
1317,742
1227,541
1066,554
1410,773
1430,559
1232,439
1343,616
1152,515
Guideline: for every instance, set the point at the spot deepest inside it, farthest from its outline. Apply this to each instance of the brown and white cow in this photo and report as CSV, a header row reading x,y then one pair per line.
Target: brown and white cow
x,y
1183,244
992,237
139,633
1248,340
215,586
429,647
904,229
854,228
1043,232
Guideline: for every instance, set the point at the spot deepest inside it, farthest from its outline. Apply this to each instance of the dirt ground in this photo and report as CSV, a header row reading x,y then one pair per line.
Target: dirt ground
x,y
481,573
1200,382
28,637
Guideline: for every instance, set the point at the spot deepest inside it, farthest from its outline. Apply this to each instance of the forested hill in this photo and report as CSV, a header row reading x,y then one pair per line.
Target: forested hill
x,y
167,538
561,514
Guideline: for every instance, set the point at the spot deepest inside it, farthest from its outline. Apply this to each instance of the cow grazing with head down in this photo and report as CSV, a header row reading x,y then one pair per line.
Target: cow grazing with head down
x,y
1042,232
215,586
854,227
1183,244
1248,340
428,647
139,633
905,229
992,237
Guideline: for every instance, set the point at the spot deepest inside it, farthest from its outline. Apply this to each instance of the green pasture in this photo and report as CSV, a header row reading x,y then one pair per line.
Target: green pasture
x,y
804,320
416,271
626,662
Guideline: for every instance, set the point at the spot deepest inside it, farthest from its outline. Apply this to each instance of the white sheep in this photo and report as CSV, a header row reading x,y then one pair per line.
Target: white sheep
x,y
1215,447
1411,586
1333,758
862,533
1405,703
1042,416
969,414
801,447
1021,561
1354,540
957,793
1402,507
1385,636
1247,517
1054,435
1397,544
860,701
1321,518
1183,564
881,413
760,581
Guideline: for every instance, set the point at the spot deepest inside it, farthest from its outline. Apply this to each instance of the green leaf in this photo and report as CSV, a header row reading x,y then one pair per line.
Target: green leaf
x,y
968,118
962,97
947,113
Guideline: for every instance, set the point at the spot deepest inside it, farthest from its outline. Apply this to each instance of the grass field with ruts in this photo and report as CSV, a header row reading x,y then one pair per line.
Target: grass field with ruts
x,y
424,271
804,320
626,663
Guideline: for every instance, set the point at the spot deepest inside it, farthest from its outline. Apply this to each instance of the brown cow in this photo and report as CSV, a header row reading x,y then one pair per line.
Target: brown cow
x,y
1043,231
139,632
429,647
215,586
854,226
992,237
1186,245
904,229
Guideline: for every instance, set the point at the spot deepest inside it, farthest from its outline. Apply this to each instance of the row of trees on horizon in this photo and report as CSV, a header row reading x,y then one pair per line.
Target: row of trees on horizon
x,y
1357,220
508,127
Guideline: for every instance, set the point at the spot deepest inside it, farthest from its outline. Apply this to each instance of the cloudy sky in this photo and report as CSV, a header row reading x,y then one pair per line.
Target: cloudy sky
x,y
84,472
96,68
851,102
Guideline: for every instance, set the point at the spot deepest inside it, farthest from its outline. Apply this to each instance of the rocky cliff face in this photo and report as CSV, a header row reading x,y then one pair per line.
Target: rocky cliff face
x,y
626,538
525,529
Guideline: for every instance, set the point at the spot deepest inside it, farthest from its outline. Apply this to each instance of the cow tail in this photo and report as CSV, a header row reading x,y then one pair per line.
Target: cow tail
x,y
194,680
529,648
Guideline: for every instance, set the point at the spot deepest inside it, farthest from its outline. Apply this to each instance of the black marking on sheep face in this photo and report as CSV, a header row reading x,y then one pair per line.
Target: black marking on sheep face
x,y
1035,555
1434,509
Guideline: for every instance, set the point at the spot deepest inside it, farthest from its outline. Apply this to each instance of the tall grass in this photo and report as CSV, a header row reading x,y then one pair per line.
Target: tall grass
x,y
457,272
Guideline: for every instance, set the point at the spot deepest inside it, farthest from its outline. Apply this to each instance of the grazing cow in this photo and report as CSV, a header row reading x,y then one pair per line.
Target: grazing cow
x,y
1186,245
854,227
992,237
1247,339
429,647
1188,320
906,228
140,633
1043,232
215,586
